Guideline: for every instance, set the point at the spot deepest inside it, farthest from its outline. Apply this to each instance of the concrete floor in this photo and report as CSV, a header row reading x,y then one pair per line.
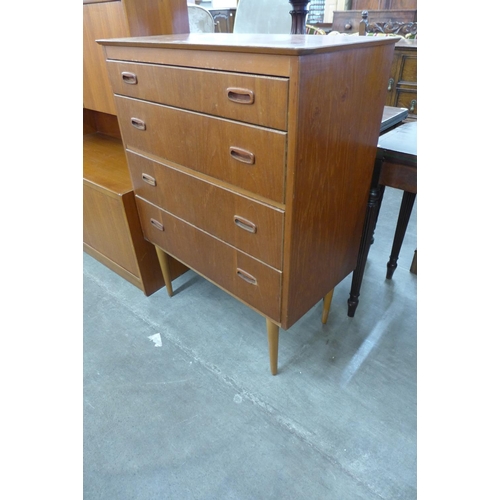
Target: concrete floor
x,y
201,417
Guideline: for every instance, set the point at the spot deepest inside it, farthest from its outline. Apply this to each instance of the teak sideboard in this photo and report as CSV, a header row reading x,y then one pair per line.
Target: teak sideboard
x,y
111,228
251,157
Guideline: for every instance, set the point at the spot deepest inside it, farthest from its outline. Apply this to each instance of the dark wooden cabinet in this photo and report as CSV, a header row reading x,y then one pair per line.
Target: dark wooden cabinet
x,y
224,20
402,87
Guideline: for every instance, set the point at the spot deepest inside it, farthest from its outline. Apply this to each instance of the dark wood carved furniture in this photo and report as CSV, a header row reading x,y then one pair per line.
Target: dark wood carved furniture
x,y
111,229
395,166
348,21
388,26
253,165
383,4
402,85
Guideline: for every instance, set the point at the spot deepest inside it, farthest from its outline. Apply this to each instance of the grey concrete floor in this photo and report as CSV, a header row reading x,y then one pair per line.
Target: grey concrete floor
x,y
201,417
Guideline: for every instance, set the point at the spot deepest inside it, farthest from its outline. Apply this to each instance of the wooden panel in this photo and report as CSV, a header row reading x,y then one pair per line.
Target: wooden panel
x,y
172,188
383,4
399,176
99,1
214,259
105,227
105,163
100,20
407,99
330,182
203,143
257,100
408,69
348,21
153,17
259,63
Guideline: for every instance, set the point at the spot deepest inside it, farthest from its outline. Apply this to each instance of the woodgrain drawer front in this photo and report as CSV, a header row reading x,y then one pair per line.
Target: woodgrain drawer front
x,y
408,70
248,279
244,155
407,99
247,224
253,99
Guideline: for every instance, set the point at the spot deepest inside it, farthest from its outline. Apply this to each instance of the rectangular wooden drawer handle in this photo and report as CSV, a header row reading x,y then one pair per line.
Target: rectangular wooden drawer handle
x,y
246,276
148,179
240,96
245,224
130,78
156,224
138,123
242,155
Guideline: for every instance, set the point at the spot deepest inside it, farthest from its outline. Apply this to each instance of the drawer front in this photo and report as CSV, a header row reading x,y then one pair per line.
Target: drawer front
x,y
408,70
407,99
250,157
246,278
259,100
247,224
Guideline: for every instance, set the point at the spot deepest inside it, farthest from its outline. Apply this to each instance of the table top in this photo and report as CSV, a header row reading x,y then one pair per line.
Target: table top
x,y
392,116
401,140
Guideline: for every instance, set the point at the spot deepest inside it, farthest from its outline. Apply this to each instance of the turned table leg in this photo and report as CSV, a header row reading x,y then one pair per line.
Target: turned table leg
x,y
403,219
163,259
372,211
273,331
327,300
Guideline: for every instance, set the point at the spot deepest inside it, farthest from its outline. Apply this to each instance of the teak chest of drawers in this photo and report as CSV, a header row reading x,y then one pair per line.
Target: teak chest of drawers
x,y
251,157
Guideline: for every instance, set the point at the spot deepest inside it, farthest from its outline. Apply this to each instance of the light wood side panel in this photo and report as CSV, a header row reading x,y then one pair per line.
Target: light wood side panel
x,y
212,258
334,156
100,20
204,143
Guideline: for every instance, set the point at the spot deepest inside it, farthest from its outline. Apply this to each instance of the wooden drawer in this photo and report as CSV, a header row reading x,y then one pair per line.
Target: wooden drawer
x,y
247,156
407,99
408,70
253,99
246,278
247,224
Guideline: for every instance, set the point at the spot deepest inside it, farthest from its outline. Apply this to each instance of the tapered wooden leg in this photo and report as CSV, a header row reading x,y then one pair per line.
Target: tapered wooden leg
x,y
163,259
273,332
327,300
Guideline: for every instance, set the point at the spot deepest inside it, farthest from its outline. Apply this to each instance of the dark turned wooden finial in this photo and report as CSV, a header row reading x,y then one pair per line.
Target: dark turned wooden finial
x,y
363,24
299,14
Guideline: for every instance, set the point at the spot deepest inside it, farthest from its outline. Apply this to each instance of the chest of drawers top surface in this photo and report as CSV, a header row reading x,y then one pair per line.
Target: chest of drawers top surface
x,y
294,45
